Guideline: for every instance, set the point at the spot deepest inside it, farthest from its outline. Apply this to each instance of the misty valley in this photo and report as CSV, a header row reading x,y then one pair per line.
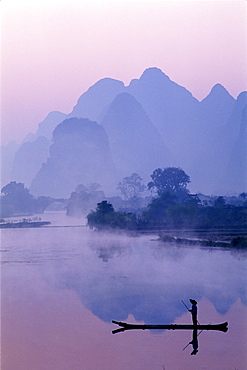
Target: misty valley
x,y
117,139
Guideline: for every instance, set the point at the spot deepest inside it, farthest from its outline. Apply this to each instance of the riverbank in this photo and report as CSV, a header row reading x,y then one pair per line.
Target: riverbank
x,y
23,224
210,241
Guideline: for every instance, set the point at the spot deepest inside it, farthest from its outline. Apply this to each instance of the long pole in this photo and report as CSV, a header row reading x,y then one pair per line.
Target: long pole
x,y
190,342
185,305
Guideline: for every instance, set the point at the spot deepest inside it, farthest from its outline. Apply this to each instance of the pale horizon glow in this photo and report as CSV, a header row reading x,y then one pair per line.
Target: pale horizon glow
x,y
53,51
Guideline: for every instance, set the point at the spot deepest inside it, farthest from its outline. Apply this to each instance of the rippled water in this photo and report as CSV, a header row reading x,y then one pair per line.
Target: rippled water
x,y
62,286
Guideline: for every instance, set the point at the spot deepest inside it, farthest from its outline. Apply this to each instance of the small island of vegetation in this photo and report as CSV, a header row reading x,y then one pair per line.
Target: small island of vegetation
x,y
174,210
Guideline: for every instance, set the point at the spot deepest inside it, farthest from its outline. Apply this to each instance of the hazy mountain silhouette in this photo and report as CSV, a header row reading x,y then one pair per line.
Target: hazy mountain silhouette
x,y
189,128
234,123
217,107
47,126
28,160
235,176
25,161
7,154
135,143
210,151
96,98
153,122
79,154
217,163
234,148
171,108
90,105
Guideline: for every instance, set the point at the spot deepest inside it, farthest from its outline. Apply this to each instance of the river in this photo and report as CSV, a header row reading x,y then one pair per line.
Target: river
x,y
62,285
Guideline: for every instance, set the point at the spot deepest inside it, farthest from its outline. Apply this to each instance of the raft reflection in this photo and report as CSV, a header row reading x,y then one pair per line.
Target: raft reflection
x,y
194,342
195,328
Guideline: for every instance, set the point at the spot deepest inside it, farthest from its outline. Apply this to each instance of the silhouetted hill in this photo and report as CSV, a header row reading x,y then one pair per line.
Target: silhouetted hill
x,y
28,157
236,172
28,160
96,98
153,122
135,143
47,126
171,107
217,159
217,107
79,154
7,154
234,138
234,122
210,152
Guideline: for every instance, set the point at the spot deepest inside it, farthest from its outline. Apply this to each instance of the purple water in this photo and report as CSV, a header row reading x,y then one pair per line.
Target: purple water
x,y
61,287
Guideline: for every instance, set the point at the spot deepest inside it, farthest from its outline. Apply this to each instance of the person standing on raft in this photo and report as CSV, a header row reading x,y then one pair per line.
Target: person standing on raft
x,y
194,311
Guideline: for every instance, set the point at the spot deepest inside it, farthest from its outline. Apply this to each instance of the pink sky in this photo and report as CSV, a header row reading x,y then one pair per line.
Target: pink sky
x,y
54,50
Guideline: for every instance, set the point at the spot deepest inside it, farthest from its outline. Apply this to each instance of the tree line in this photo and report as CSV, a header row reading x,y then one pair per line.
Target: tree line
x,y
17,200
171,207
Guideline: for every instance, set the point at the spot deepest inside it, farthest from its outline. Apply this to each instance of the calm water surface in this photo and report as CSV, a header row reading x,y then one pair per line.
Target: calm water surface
x,y
62,286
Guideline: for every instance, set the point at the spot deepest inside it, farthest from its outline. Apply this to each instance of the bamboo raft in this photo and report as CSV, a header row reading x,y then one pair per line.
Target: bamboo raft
x,y
125,326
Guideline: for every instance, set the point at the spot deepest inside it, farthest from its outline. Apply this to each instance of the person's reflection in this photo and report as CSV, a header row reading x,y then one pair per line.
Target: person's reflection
x,y
194,342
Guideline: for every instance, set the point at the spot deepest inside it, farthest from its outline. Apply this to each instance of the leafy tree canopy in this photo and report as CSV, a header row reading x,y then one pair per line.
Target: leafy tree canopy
x,y
219,202
106,218
83,199
16,196
89,188
172,179
158,206
131,186
104,207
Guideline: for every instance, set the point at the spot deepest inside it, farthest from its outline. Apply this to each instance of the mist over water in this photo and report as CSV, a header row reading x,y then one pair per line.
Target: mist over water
x,y
117,277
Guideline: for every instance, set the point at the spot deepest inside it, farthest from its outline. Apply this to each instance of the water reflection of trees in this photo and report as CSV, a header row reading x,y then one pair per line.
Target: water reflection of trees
x,y
110,250
145,280
163,252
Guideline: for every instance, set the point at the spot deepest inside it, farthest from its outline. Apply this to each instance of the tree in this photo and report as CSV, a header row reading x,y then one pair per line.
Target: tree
x,y
157,209
243,195
131,187
15,198
83,199
105,218
104,207
89,188
219,202
102,217
192,200
172,179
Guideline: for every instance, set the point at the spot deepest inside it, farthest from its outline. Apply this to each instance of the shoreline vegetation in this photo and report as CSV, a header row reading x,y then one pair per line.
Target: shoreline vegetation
x,y
221,238
235,242
173,207
168,209
24,223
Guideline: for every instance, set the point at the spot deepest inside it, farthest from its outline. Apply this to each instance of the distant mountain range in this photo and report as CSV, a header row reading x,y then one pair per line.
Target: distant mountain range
x,y
115,130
